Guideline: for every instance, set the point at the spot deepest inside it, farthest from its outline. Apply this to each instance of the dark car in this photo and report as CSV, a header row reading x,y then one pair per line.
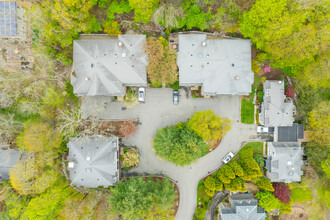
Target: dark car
x,y
175,97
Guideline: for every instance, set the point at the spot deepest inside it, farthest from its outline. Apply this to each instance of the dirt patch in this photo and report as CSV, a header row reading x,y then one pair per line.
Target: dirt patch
x,y
298,213
252,188
274,74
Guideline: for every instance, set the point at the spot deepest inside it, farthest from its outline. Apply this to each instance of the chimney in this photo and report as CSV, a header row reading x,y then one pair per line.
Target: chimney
x,y
120,44
204,44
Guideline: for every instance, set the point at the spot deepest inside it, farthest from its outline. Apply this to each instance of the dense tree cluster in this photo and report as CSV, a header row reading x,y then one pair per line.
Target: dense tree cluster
x,y
136,198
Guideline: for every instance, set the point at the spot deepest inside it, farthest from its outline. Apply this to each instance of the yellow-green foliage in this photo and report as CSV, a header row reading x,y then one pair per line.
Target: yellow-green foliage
x,y
112,28
235,185
255,66
130,158
143,9
286,208
301,195
210,183
261,57
218,185
39,136
237,169
264,183
251,169
208,125
319,124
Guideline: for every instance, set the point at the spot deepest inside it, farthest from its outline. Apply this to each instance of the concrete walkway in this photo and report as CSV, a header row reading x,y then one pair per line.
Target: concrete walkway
x,y
158,112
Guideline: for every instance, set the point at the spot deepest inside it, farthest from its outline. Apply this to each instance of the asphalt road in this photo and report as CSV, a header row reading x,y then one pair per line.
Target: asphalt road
x,y
158,111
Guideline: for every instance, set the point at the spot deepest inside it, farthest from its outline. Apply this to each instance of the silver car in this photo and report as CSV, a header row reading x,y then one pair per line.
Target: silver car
x,y
227,158
141,94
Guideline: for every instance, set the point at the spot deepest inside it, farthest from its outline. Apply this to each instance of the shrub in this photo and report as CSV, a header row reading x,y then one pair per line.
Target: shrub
x,y
127,128
200,213
286,208
251,169
167,15
112,28
143,9
282,192
259,159
130,100
235,185
218,185
201,193
210,183
264,183
255,66
246,153
130,158
261,57
236,168
268,201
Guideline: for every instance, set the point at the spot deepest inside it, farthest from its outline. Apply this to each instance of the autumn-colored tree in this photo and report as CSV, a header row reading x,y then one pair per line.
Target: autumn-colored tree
x,y
264,183
162,66
208,125
319,124
282,192
236,167
39,137
209,183
251,169
127,128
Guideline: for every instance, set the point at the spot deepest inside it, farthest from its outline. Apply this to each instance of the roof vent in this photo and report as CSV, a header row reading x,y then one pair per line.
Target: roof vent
x,y
279,82
204,44
120,44
289,162
88,158
207,55
88,170
92,65
232,65
247,210
123,54
236,78
200,55
88,79
71,164
193,44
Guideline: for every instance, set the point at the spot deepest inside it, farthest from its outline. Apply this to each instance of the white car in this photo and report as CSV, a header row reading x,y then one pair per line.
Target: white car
x,y
141,94
227,158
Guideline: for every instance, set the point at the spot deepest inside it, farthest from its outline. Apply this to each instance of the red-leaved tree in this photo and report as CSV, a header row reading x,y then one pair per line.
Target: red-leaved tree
x,y
289,92
282,192
127,128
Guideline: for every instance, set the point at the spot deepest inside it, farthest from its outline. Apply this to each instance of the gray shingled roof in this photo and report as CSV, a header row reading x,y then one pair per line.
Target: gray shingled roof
x,y
8,20
276,110
222,67
103,67
243,210
8,159
290,133
96,161
285,161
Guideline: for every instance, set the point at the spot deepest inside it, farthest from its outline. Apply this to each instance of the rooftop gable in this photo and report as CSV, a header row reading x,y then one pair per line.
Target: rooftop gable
x,y
221,66
276,110
105,67
285,161
94,161
8,159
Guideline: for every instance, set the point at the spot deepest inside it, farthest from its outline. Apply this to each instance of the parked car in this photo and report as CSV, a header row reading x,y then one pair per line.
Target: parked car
x,y
262,129
175,97
227,158
141,94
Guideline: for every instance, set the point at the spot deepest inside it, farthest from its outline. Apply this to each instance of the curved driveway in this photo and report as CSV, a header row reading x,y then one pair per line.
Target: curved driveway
x,y
158,112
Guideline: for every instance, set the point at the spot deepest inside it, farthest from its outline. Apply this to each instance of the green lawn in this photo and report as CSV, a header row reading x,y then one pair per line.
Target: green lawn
x,y
247,112
256,146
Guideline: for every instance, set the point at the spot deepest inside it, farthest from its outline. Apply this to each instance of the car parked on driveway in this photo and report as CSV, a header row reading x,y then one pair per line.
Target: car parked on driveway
x,y
176,97
141,94
228,157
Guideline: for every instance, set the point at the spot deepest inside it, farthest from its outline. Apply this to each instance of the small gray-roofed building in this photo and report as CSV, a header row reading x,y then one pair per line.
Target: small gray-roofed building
x,y
93,161
284,162
290,133
106,67
8,20
243,207
220,66
8,159
276,110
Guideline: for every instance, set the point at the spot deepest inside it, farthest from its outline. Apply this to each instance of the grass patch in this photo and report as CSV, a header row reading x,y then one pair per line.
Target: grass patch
x,y
247,112
301,195
257,148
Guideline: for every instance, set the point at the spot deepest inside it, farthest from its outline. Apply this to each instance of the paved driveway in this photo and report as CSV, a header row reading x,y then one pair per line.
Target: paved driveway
x,y
159,111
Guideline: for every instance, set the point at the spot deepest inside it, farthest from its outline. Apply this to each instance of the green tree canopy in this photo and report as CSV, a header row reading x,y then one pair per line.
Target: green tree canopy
x,y
290,31
209,126
251,169
135,198
143,9
268,201
179,145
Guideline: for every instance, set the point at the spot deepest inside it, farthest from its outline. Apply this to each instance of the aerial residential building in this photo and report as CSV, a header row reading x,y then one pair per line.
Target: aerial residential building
x,y
106,67
8,159
292,133
243,207
219,66
284,162
277,109
93,161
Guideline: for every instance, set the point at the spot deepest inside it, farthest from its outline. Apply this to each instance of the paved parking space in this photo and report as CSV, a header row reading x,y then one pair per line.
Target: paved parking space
x,y
159,111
